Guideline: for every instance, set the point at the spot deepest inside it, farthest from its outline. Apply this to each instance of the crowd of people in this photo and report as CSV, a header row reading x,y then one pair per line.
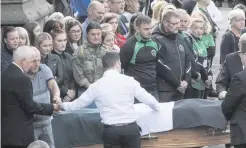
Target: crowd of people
x,y
169,53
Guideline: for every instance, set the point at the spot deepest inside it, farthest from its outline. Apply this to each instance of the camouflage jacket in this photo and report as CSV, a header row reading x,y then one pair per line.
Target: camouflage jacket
x,y
87,64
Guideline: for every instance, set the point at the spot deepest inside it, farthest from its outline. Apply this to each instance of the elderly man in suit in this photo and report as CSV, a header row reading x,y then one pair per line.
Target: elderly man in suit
x,y
17,105
234,109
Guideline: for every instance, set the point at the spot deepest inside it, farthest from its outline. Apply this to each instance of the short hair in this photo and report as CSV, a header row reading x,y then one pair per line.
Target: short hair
x,y
23,33
23,52
233,14
142,19
93,25
41,37
169,14
242,43
38,144
7,30
57,16
30,26
110,59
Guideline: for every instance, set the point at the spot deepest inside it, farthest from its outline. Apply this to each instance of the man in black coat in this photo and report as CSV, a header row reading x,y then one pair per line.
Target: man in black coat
x,y
234,109
17,105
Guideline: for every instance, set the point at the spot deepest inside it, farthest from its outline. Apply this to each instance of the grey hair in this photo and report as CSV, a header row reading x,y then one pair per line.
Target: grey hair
x,y
233,14
23,52
38,144
242,43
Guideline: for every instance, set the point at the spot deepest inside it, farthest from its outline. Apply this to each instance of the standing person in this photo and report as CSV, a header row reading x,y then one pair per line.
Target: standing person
x,y
138,56
173,65
17,105
43,84
96,13
233,64
233,108
114,96
132,30
229,43
44,43
75,36
10,41
68,87
87,63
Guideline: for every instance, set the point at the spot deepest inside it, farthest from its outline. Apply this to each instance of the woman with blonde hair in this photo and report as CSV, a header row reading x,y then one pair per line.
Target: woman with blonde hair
x,y
156,11
131,7
165,8
23,36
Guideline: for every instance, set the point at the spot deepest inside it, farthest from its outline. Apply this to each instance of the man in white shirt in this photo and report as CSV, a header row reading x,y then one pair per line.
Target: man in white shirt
x,y
114,96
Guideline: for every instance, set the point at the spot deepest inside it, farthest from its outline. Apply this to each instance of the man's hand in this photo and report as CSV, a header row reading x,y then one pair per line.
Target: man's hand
x,y
57,107
67,99
56,100
184,84
71,93
222,94
181,90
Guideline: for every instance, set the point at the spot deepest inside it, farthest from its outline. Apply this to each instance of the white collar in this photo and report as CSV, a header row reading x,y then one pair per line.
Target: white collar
x,y
110,72
18,66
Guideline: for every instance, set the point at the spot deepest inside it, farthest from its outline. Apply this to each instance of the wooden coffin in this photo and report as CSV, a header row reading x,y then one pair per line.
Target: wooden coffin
x,y
181,138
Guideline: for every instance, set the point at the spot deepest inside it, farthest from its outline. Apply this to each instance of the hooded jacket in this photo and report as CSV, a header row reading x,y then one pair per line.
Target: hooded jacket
x,y
173,64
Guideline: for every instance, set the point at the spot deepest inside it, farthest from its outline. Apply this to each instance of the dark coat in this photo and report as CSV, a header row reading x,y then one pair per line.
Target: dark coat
x,y
231,66
54,63
18,107
234,108
6,57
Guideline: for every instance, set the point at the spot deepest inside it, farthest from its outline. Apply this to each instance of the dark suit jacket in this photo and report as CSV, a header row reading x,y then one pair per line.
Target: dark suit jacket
x,y
231,66
234,108
18,107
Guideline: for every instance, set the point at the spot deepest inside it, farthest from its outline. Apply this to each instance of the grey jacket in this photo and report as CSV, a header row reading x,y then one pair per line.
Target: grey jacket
x,y
87,64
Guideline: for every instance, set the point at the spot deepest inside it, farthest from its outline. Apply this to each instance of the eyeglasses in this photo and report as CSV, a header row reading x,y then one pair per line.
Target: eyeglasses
x,y
74,32
174,24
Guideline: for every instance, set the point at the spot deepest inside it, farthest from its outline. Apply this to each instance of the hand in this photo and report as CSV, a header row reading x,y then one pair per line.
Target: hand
x,y
181,90
184,84
71,93
56,100
222,94
67,99
56,107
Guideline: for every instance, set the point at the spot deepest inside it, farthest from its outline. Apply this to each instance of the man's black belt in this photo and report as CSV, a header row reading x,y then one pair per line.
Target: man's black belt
x,y
118,124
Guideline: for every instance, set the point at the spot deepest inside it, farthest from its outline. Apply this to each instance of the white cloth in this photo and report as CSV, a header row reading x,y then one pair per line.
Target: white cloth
x,y
154,122
114,96
215,13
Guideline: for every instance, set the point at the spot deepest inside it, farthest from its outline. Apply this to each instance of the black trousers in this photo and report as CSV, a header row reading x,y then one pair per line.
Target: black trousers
x,y
168,96
9,146
127,136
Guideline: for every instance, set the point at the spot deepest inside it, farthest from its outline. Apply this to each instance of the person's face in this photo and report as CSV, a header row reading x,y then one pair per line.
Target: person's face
x,y
117,6
37,30
27,63
22,41
145,30
184,23
45,47
106,7
94,36
239,23
75,33
60,42
36,63
197,29
98,13
12,40
109,40
172,25
114,23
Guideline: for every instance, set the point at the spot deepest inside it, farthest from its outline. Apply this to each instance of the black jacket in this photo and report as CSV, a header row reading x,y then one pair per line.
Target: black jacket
x,y
68,80
54,63
6,57
138,59
234,108
229,44
173,65
18,108
231,66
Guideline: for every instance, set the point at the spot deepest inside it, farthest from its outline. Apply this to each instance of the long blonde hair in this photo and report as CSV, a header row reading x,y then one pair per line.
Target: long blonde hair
x,y
23,33
207,27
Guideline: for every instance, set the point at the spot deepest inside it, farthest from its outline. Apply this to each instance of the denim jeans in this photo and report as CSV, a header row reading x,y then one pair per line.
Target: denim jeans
x,y
45,133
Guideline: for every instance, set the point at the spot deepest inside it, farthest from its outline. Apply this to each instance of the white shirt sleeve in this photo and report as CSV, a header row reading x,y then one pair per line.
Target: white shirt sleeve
x,y
84,100
215,13
143,96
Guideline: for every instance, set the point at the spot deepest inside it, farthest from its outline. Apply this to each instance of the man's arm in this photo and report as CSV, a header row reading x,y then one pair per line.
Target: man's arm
x,y
126,53
84,100
143,96
54,90
233,97
187,75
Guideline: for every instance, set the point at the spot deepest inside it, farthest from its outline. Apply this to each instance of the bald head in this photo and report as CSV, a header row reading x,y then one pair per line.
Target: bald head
x,y
242,43
96,11
38,144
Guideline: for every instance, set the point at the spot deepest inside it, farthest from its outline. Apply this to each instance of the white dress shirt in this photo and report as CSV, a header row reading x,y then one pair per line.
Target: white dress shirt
x,y
114,96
